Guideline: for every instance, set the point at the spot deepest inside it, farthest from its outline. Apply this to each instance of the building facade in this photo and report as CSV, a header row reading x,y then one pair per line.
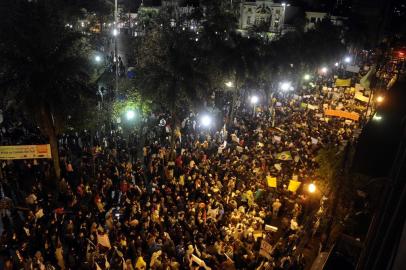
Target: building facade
x,y
312,18
265,14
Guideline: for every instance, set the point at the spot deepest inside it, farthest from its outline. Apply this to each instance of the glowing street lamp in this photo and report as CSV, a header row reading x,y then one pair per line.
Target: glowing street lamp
x,y
380,99
377,117
254,99
229,84
130,114
206,120
115,32
97,58
285,86
312,188
336,64
347,59
324,70
306,77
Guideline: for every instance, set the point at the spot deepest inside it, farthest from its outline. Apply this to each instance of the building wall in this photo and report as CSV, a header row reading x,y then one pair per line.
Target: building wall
x,y
255,13
314,17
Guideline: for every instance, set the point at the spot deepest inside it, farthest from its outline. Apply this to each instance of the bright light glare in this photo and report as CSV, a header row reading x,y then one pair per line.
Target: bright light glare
x,y
285,86
380,99
324,69
206,120
347,59
97,58
377,117
336,64
130,114
306,77
115,32
312,188
254,99
229,84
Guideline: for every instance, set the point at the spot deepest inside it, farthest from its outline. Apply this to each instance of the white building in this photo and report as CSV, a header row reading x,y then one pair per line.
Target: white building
x,y
262,12
315,17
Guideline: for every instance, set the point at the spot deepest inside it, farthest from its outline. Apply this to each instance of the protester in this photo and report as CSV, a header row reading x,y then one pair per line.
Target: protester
x,y
204,205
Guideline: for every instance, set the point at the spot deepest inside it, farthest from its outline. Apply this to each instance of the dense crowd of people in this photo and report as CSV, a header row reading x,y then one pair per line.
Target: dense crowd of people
x,y
203,203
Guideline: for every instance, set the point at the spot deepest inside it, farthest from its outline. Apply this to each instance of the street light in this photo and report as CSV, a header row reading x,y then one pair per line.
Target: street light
x,y
336,64
97,58
115,32
130,114
254,99
324,70
377,117
306,77
312,187
380,99
206,120
229,84
285,86
347,59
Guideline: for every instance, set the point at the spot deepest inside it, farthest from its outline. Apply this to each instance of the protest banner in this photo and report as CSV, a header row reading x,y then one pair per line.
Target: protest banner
x,y
265,250
360,96
271,181
286,155
10,152
344,114
343,82
293,185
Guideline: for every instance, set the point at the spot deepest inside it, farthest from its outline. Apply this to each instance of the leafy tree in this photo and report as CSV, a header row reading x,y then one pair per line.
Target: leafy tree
x,y
44,66
167,72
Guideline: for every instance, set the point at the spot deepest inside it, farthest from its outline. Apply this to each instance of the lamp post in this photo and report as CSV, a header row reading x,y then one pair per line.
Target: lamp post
x,y
312,188
286,86
254,100
130,114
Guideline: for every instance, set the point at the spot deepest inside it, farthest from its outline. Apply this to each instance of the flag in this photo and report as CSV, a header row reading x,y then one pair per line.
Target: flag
x,y
182,180
366,80
103,240
286,155
271,181
392,81
293,185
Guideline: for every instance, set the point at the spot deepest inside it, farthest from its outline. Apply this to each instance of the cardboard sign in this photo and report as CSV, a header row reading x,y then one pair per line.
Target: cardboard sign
x,y
271,181
265,250
293,185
